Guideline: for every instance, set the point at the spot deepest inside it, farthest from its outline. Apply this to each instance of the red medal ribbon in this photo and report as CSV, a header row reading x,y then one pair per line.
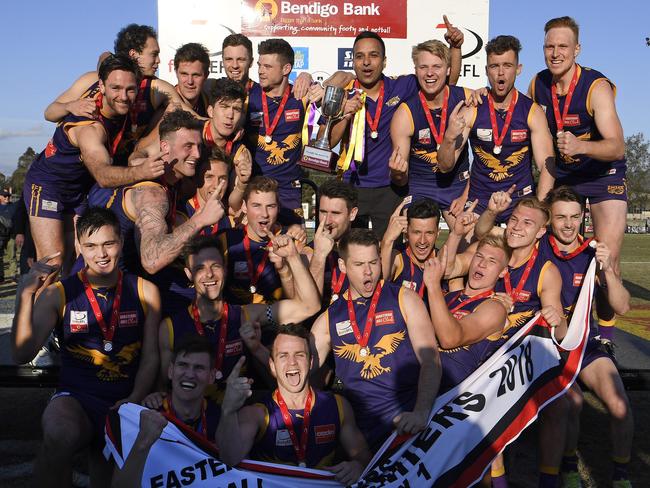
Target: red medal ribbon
x,y
135,110
498,140
374,123
209,138
337,282
469,300
202,429
529,266
248,86
112,146
421,290
228,148
301,449
265,108
370,320
559,121
223,330
252,272
437,136
107,332
572,254
197,206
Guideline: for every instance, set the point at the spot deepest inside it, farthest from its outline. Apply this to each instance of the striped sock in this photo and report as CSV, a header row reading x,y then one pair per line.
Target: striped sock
x,y
606,328
499,479
620,468
570,462
549,477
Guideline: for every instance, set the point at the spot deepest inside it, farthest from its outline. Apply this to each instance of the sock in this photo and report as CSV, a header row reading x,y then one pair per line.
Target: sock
x,y
499,479
570,462
606,328
620,468
549,477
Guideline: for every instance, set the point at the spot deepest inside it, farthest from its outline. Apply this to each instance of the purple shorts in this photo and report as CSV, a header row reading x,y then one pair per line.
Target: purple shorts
x,y
611,186
49,202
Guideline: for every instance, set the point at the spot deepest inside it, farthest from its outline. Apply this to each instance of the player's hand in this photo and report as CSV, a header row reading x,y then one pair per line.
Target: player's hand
x,y
352,104
568,144
397,223
457,205
152,424
302,84
251,334
238,389
505,300
85,107
434,269
456,123
476,97
466,220
347,472
323,239
212,210
500,200
454,36
20,240
603,256
299,235
41,272
152,167
243,166
410,422
315,93
154,400
552,316
284,246
397,164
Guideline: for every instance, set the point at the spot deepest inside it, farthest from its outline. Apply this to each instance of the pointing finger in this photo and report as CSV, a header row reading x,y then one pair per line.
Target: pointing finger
x,y
511,190
236,370
447,23
473,205
457,107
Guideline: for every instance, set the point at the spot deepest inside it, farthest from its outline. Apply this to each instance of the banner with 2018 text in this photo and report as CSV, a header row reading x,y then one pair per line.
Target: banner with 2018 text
x,y
469,424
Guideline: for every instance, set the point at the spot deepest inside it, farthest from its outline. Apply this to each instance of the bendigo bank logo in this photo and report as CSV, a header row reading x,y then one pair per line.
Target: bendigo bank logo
x,y
267,10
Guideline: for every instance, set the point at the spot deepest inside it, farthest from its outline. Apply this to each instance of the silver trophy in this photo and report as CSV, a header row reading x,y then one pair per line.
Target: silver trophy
x,y
318,154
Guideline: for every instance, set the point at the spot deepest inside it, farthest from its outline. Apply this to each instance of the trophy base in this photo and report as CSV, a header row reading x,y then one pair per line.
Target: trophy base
x,y
318,159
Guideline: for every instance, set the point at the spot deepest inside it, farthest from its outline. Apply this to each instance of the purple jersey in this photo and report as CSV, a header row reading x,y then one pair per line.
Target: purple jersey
x,y
226,222
513,165
333,285
273,443
373,172
85,364
579,121
424,179
279,158
408,273
383,383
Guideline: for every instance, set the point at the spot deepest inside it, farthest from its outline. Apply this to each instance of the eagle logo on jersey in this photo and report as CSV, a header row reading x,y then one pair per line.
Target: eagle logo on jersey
x,y
277,149
570,159
430,157
372,362
515,320
501,171
110,367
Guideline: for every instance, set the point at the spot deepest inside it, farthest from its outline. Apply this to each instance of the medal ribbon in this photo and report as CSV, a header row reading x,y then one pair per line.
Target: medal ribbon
x,y
112,146
529,266
202,429
135,110
370,320
107,332
498,140
469,300
559,121
374,122
209,138
197,206
223,329
572,254
337,282
423,286
268,129
437,136
301,449
356,144
253,273
308,124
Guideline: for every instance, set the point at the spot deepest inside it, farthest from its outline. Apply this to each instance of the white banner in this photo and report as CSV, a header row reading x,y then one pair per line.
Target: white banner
x,y
469,425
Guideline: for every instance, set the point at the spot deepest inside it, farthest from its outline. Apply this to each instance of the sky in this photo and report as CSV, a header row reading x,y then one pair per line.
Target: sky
x,y
46,45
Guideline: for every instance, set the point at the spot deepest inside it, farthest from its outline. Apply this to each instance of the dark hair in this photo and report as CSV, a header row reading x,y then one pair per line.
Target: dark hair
x,y
227,90
198,244
193,343
370,35
133,36
277,46
424,208
176,120
294,330
261,184
563,22
334,188
190,52
94,218
238,40
564,194
118,62
503,44
360,237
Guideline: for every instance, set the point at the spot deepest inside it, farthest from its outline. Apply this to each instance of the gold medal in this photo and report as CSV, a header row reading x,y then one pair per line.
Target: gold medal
x,y
496,150
364,351
374,134
219,375
335,296
253,289
268,139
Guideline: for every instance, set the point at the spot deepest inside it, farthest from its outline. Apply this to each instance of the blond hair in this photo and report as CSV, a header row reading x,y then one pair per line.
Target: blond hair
x,y
498,241
434,47
533,202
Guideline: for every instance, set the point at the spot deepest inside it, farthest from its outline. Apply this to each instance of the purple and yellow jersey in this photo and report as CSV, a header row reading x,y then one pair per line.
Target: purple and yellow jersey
x,y
188,209
212,413
579,121
268,288
424,179
408,273
328,287
59,169
181,324
85,365
384,383
373,172
460,362
273,442
278,159
491,172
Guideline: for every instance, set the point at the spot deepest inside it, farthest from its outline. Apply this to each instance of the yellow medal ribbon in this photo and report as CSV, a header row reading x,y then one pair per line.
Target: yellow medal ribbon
x,y
355,146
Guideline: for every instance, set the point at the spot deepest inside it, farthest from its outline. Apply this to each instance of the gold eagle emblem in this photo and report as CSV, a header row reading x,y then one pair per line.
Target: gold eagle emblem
x,y
570,159
430,157
277,149
501,171
110,369
372,362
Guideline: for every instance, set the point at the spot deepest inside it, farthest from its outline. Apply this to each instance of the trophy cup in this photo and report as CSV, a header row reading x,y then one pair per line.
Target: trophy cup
x,y
318,154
